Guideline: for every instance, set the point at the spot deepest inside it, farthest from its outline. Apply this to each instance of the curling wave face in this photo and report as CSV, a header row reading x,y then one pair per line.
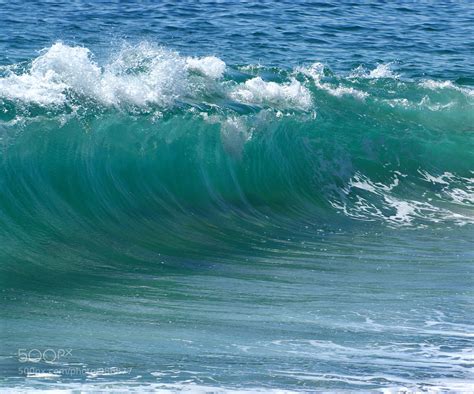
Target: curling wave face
x,y
151,132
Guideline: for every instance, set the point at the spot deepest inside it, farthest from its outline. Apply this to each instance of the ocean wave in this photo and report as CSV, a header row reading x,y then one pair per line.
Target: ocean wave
x,y
196,132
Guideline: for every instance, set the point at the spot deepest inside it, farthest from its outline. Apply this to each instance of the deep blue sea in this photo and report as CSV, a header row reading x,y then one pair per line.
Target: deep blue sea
x,y
252,196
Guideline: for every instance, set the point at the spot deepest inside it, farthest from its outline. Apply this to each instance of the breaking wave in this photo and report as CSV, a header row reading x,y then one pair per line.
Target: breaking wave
x,y
149,136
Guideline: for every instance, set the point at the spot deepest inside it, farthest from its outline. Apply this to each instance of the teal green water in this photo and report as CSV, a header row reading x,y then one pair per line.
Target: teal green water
x,y
238,215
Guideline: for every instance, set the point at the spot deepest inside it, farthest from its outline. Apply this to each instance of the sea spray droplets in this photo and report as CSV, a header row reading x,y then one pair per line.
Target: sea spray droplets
x,y
143,75
71,66
366,200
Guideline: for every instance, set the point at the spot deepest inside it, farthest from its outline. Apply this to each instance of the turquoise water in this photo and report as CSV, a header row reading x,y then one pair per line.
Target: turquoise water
x,y
245,196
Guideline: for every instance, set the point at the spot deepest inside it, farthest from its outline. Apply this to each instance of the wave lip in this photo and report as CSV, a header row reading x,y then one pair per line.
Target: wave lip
x,y
146,76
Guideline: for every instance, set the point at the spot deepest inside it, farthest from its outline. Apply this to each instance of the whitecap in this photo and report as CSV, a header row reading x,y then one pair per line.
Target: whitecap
x,y
382,70
440,85
285,95
316,73
209,66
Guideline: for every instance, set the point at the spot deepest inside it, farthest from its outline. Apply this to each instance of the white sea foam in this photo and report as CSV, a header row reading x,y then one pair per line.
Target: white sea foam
x,y
439,85
389,207
210,66
39,89
362,182
284,95
400,385
442,179
146,74
381,71
139,75
63,70
459,190
405,357
142,387
316,73
430,84
342,91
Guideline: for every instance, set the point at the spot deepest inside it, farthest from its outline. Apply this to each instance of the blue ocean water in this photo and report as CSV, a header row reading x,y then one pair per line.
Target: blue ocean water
x,y
235,195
